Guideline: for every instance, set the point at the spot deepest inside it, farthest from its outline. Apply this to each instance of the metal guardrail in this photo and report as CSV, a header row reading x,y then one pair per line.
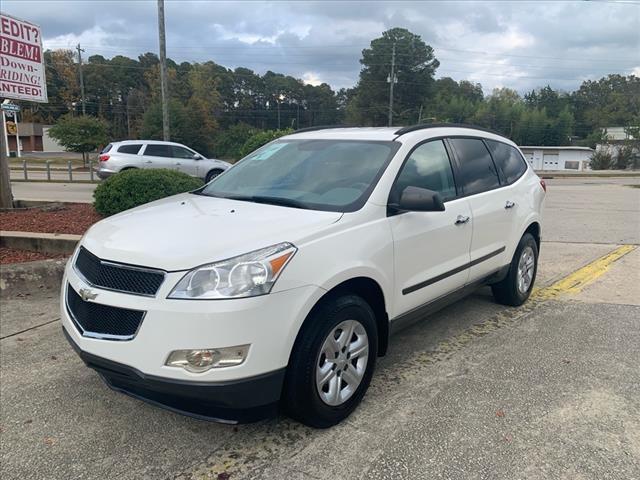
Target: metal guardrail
x,y
48,170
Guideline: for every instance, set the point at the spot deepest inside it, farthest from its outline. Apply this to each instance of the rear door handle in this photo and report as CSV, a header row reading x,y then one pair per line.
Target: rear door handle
x,y
509,204
148,161
178,163
461,220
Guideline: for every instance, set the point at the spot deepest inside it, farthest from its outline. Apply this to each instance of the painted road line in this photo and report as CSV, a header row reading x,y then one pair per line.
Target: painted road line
x,y
576,281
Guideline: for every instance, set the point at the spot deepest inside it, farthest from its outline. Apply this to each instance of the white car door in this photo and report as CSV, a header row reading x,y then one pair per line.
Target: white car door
x,y
185,160
490,206
157,155
431,249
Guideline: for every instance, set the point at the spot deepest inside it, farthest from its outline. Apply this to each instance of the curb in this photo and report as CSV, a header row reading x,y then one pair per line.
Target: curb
x,y
40,242
19,279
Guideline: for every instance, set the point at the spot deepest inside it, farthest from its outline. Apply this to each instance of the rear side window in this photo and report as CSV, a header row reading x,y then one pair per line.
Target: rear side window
x,y
427,167
132,149
106,149
156,150
508,160
477,170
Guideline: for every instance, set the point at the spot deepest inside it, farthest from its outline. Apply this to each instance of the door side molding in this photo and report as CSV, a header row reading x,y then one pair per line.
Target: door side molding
x,y
416,315
459,269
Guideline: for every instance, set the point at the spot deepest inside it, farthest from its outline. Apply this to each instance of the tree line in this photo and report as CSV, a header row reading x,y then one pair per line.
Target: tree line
x,y
215,109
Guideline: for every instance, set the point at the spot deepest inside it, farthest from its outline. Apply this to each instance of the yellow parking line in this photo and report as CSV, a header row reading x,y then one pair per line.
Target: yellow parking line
x,y
577,280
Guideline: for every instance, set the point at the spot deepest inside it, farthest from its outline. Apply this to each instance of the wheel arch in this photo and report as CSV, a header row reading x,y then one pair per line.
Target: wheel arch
x,y
370,291
535,230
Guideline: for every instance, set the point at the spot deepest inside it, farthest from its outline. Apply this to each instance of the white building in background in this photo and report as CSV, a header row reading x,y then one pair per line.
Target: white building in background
x,y
558,158
616,134
48,143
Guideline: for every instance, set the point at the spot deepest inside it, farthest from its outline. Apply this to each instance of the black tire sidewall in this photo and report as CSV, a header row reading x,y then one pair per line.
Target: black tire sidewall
x,y
301,394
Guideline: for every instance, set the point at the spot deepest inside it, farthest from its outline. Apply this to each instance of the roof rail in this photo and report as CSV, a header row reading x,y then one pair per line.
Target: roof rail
x,y
322,127
423,126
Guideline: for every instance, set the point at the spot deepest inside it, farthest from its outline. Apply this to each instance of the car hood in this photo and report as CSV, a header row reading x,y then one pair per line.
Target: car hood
x,y
187,230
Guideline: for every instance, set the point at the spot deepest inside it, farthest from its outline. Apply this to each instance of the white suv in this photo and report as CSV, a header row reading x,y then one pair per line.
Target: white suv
x,y
130,154
279,282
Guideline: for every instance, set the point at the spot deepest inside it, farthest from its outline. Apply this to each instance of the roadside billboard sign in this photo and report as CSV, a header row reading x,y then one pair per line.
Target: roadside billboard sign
x,y
22,72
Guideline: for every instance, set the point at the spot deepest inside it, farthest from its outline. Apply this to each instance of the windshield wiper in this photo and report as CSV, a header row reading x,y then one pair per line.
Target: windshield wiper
x,y
281,201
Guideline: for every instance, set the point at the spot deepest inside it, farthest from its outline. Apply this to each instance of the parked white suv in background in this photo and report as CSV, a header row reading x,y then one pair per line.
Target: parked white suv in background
x,y
118,156
279,282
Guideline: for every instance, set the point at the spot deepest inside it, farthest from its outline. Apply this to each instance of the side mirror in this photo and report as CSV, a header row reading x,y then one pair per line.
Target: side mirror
x,y
197,156
415,199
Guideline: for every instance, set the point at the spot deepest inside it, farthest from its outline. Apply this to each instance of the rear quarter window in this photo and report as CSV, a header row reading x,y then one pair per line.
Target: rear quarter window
x,y
477,171
508,160
106,149
131,149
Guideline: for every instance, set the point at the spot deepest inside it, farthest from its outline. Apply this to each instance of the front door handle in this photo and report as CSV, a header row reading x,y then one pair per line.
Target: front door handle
x,y
461,220
178,163
148,161
509,204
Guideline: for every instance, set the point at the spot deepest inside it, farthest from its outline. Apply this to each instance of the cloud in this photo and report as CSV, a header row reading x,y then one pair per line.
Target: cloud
x,y
521,45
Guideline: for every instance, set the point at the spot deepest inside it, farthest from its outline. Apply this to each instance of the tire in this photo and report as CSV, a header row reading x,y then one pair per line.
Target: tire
x,y
303,397
513,290
212,174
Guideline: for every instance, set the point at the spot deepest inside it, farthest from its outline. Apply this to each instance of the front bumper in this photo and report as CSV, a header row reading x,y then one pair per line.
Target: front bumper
x,y
246,392
240,401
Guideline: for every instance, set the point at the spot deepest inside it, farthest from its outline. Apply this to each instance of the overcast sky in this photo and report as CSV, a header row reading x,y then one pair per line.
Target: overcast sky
x,y
521,45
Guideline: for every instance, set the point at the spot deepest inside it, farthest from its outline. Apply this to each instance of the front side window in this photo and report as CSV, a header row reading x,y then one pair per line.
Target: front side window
x,y
477,170
131,149
508,160
333,175
428,167
181,152
155,150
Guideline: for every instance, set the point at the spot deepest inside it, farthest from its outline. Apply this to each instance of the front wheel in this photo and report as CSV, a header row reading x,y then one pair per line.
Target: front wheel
x,y
516,288
211,175
332,362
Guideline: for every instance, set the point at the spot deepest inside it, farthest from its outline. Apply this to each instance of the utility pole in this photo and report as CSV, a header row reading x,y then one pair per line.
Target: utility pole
x,y
163,73
6,197
278,104
391,80
80,50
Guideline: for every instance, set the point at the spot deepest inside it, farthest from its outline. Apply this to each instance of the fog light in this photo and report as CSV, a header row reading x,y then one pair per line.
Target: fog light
x,y
204,359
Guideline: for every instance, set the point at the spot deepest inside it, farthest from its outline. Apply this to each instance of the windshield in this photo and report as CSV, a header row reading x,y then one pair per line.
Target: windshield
x,y
334,175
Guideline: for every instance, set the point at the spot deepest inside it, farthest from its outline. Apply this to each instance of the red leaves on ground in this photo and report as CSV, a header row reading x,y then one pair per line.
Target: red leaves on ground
x,y
74,218
500,413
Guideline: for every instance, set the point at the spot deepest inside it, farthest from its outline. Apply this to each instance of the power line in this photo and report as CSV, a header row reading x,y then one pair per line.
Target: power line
x,y
340,47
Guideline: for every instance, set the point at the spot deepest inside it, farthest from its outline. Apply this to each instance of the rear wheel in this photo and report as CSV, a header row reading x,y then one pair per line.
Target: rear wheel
x,y
332,362
516,288
212,174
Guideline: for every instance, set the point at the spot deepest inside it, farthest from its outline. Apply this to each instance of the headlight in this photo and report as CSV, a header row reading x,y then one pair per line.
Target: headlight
x,y
244,276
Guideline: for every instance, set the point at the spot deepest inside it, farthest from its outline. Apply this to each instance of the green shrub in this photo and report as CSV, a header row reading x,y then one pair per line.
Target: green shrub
x,y
261,138
131,188
601,160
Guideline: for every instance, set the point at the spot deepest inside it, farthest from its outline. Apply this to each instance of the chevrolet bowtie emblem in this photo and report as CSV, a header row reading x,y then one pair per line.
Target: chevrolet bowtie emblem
x,y
87,294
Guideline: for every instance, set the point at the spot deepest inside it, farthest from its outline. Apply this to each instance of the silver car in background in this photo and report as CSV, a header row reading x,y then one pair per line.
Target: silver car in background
x,y
128,154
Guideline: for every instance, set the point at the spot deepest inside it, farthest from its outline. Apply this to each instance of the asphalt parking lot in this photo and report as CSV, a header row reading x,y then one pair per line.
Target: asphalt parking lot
x,y
549,390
